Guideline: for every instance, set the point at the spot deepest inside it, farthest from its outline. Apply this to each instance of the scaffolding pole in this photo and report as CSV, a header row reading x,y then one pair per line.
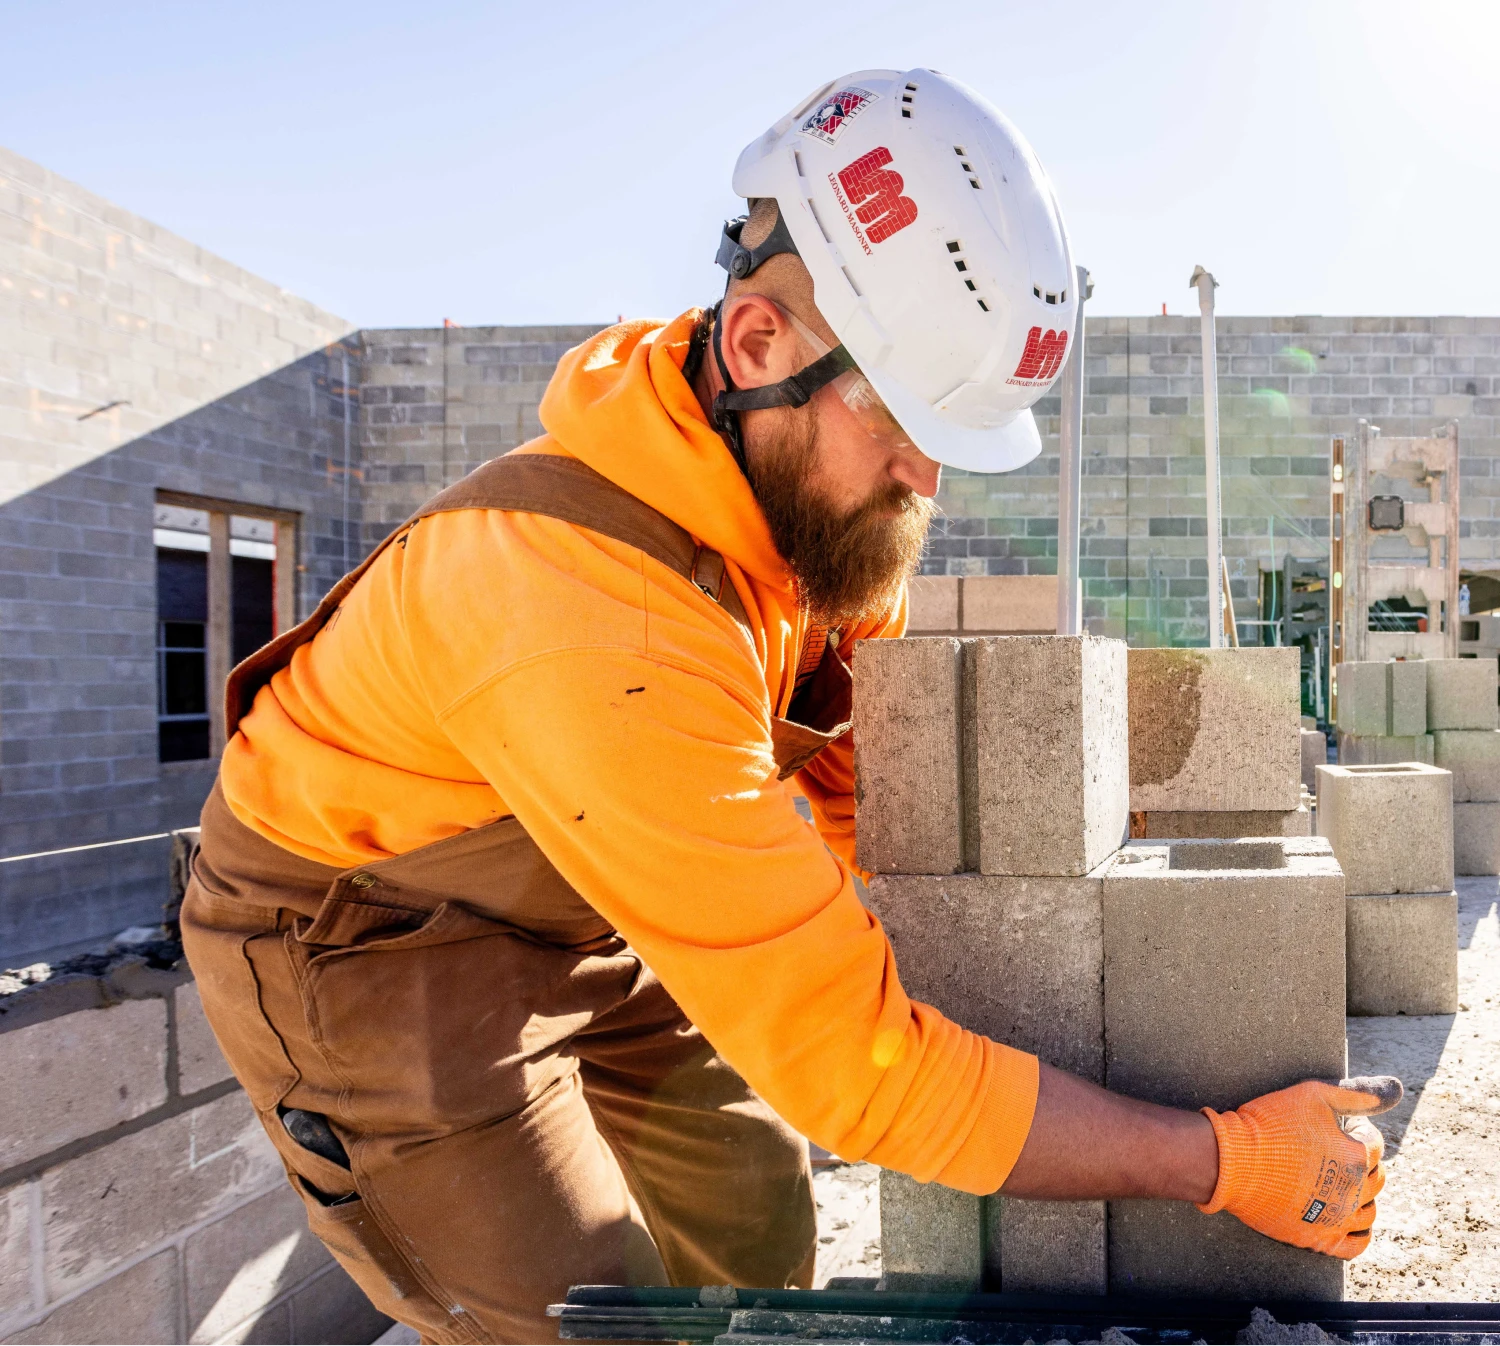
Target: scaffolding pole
x,y
1204,282
1070,476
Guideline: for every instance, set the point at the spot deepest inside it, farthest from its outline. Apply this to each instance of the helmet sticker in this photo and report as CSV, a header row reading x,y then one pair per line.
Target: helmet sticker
x,y
835,112
1042,357
873,197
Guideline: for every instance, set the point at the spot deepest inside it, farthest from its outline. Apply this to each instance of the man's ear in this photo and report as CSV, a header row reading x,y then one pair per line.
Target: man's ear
x,y
759,344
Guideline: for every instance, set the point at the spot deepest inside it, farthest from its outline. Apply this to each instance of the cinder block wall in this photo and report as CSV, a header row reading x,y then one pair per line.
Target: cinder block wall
x,y
1285,386
140,1200
437,402
218,384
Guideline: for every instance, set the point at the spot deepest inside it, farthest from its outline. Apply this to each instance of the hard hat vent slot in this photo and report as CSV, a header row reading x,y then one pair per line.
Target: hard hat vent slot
x,y
954,246
907,99
818,220
984,306
852,285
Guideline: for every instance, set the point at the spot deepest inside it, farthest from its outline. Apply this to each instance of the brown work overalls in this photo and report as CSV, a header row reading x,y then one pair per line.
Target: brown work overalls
x,y
522,1105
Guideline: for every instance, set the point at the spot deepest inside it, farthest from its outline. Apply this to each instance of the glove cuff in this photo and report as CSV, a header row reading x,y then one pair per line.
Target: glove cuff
x,y
1235,1146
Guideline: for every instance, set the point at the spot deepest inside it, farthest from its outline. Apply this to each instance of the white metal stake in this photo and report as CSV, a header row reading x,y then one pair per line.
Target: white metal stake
x,y
1070,476
1205,283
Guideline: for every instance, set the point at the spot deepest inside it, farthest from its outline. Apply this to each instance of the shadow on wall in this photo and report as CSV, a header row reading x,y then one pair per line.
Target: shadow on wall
x,y
81,637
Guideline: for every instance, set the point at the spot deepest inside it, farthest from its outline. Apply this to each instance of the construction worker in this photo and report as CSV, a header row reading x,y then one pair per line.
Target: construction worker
x,y
504,913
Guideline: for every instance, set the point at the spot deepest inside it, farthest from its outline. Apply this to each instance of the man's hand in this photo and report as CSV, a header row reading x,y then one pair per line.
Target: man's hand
x,y
1289,1168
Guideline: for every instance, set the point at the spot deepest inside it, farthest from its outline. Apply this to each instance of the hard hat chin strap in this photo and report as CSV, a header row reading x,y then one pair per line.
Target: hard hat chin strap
x,y
793,391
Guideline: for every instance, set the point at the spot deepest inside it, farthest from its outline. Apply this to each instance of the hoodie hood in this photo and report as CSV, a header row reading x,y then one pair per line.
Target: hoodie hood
x,y
619,403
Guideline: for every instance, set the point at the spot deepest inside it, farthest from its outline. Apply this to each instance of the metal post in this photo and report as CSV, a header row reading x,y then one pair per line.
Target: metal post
x,y
1070,476
1205,283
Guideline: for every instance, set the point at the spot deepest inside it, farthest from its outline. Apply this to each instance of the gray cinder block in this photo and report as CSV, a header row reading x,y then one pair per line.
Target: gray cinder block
x,y
200,1063
1476,838
1021,960
1461,694
1390,826
1223,980
1046,1247
1403,953
1473,756
1406,696
1362,703
1314,745
931,1237
1048,744
906,755
1379,749
1213,823
1215,729
69,1077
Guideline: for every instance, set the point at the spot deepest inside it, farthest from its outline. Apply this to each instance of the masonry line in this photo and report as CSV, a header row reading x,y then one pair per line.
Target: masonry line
x,y
92,846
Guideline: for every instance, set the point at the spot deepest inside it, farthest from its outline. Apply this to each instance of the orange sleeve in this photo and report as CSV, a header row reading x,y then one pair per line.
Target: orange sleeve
x,y
643,768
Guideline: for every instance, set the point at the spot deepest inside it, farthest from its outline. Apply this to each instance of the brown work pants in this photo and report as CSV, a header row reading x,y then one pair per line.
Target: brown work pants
x,y
519,1117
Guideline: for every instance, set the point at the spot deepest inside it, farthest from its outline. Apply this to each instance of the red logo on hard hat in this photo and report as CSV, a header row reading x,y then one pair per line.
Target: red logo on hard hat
x,y
875,191
1042,357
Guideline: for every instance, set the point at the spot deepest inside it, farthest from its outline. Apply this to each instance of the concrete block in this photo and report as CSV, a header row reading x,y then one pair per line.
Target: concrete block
x,y
1382,749
69,1077
1476,838
108,1205
1046,1247
1021,960
1406,697
333,1309
1212,823
932,605
1403,954
240,1264
1214,729
1171,1248
15,1251
1390,826
200,1063
1009,604
1363,707
906,755
1048,743
1314,754
1461,694
931,1237
1223,979
1473,756
138,1305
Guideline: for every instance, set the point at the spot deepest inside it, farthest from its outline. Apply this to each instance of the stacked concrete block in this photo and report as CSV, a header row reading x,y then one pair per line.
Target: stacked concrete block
x,y
1032,789
141,1200
1466,741
1392,829
1047,750
982,605
1215,743
1223,980
1382,712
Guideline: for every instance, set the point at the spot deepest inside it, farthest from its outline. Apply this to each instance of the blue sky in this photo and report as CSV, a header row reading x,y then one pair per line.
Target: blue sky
x,y
506,163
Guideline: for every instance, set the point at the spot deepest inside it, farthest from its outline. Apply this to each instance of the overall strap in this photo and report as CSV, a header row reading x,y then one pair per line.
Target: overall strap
x,y
532,483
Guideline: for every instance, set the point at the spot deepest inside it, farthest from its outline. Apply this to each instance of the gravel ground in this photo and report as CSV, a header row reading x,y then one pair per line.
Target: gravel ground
x,y
1438,1235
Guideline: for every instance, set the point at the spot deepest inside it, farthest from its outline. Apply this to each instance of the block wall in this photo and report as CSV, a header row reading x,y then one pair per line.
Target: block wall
x,y
1285,386
130,361
140,1199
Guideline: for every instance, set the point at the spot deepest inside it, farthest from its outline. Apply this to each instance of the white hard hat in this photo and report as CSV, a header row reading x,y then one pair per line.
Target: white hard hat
x,y
937,253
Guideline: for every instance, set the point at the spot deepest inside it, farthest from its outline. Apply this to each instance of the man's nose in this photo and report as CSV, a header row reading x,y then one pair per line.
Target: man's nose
x,y
915,469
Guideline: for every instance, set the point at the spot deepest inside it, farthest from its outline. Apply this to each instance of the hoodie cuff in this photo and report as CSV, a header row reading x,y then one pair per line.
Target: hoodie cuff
x,y
1006,1111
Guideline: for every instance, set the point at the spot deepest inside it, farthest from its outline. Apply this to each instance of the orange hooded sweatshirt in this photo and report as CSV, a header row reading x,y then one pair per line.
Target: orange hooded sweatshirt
x,y
504,663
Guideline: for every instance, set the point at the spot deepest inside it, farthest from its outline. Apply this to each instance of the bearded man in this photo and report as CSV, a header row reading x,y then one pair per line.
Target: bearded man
x,y
504,912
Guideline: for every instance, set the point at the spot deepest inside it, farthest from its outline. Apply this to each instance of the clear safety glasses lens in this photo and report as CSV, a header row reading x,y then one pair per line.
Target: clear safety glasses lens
x,y
858,394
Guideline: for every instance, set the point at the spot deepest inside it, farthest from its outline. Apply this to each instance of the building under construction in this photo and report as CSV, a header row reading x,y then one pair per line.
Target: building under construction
x,y
191,457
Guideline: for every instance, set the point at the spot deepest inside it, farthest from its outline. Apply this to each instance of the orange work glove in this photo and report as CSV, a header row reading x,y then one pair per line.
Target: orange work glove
x,y
1289,1168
